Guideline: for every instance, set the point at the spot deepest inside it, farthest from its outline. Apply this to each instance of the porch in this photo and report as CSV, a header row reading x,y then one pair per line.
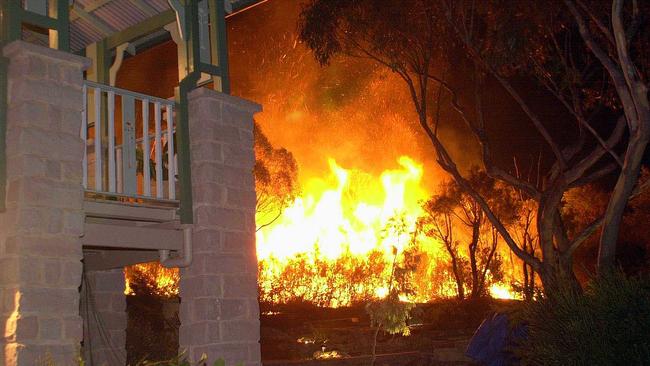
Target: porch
x,y
130,178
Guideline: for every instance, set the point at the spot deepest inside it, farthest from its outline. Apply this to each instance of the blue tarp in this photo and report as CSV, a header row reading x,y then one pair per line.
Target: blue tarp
x,y
490,343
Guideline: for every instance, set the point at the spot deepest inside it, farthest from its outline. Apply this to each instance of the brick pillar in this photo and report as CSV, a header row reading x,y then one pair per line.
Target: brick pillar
x,y
103,307
40,245
219,310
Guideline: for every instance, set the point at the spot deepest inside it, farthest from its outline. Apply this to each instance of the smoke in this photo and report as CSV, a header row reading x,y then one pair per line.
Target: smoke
x,y
352,110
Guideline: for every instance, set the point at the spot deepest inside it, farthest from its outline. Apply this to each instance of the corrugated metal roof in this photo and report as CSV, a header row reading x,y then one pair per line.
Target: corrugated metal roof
x,y
116,16
82,34
160,5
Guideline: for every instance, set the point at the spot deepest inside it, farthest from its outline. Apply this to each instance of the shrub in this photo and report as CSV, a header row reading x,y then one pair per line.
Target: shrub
x,y
607,324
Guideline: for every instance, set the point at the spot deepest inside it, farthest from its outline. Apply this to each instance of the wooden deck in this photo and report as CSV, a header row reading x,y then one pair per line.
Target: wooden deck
x,y
121,230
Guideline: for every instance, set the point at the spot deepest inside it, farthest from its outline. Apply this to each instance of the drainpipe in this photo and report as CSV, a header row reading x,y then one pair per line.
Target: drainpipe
x,y
183,260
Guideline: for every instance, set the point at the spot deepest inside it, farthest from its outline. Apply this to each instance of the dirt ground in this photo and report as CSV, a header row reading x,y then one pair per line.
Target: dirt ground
x,y
303,331
300,331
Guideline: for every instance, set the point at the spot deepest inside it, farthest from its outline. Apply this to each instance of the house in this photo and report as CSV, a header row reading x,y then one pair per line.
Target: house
x,y
95,177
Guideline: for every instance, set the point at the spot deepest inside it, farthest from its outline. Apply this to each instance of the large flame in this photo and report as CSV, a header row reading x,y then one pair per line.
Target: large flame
x,y
349,222
337,243
347,213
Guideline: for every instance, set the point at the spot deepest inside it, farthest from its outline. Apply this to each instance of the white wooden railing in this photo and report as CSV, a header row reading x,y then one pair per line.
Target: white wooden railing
x,y
116,125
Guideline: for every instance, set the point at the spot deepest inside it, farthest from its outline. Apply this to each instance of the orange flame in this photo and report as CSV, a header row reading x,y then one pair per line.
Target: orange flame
x,y
337,242
343,219
347,212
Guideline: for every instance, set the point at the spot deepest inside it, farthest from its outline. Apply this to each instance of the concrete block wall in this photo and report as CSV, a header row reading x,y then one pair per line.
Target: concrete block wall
x,y
103,307
219,310
40,246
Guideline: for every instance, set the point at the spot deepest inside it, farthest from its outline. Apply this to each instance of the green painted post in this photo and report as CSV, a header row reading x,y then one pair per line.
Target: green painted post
x,y
14,16
6,34
12,19
222,46
217,67
63,25
3,129
183,144
193,39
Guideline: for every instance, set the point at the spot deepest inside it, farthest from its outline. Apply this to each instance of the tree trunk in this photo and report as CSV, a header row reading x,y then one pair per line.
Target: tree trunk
x,y
618,201
460,290
529,272
473,246
373,351
488,261
558,276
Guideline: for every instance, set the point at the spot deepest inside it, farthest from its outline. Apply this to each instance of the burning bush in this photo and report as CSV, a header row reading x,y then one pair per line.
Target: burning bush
x,y
152,279
345,280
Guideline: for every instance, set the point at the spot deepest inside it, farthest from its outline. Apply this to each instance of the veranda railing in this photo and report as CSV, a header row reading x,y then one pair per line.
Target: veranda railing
x,y
129,148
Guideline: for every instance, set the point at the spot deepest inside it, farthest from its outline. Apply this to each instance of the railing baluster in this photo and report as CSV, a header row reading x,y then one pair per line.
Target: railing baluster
x,y
171,172
159,171
145,148
84,135
128,159
118,171
111,142
98,139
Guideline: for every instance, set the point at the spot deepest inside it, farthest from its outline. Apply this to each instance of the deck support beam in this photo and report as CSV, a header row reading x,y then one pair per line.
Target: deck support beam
x,y
137,237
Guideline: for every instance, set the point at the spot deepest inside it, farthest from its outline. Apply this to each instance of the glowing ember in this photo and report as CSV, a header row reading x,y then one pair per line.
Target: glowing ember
x,y
324,355
501,291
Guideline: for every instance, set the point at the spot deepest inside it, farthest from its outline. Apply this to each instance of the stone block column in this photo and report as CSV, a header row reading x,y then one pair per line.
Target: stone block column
x,y
219,310
103,307
40,245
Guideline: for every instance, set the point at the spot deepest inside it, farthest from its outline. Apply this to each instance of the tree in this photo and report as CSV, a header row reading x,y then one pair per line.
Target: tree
x,y
437,222
596,72
276,180
524,231
390,313
482,247
452,208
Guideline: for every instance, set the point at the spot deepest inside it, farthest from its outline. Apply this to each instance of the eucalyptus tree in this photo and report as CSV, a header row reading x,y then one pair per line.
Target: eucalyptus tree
x,y
276,180
437,221
591,58
452,211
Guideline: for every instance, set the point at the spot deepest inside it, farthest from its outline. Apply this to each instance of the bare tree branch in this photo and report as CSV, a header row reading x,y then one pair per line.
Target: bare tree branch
x,y
481,135
615,73
602,27
587,162
594,225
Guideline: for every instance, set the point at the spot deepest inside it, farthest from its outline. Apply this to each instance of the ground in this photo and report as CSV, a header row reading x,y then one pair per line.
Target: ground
x,y
295,333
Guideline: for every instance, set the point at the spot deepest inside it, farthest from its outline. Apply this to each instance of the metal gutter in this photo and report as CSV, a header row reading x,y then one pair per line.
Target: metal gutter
x,y
245,5
183,260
